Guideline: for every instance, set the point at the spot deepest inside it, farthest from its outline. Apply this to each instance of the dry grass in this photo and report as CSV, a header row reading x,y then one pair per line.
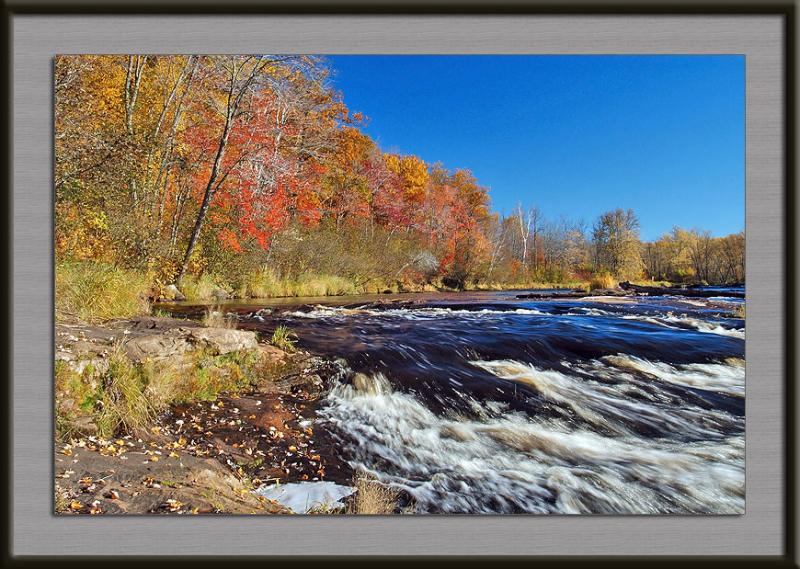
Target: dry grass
x,y
95,292
215,318
528,285
265,283
198,288
372,498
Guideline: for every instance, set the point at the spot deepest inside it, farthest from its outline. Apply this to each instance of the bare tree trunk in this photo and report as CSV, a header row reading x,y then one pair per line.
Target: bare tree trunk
x,y
133,79
524,232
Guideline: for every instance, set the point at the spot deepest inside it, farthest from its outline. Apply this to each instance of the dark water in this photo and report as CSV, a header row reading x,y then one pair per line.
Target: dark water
x,y
483,403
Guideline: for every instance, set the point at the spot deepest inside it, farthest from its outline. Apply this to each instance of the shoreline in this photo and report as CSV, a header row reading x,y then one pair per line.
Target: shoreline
x,y
206,456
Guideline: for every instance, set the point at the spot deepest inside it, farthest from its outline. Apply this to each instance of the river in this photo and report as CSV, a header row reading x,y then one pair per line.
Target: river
x,y
485,403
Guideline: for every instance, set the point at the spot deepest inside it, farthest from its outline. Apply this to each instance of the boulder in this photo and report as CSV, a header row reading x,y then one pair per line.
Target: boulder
x,y
219,294
149,338
223,340
158,346
171,292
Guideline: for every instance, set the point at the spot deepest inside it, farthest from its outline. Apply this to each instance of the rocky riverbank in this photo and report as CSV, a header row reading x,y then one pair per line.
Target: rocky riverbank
x,y
222,413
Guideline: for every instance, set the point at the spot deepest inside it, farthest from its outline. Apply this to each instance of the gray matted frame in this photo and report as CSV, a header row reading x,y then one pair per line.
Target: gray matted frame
x,y
37,38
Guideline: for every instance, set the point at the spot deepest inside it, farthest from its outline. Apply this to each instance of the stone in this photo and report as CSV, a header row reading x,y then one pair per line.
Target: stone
x,y
171,292
158,346
219,294
271,353
223,340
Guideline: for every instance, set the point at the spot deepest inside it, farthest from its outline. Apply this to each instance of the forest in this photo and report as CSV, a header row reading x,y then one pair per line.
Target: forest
x,y
248,176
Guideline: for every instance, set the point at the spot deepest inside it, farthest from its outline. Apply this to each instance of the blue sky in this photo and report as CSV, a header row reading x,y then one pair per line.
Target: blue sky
x,y
574,135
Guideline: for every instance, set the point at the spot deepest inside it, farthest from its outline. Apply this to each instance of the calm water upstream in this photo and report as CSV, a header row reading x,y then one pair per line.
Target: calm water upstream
x,y
483,403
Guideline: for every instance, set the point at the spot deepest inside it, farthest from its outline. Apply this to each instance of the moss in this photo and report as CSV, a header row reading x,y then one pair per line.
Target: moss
x,y
77,395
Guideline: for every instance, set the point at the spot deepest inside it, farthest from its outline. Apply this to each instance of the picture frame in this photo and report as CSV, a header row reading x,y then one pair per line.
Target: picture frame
x,y
764,33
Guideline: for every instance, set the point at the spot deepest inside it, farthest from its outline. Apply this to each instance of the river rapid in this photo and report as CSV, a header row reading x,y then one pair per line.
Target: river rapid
x,y
485,403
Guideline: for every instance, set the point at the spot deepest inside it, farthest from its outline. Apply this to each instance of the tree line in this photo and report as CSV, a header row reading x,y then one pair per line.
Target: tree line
x,y
225,165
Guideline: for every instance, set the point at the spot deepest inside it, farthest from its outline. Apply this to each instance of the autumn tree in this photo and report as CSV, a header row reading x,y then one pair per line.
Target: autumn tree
x,y
230,165
235,79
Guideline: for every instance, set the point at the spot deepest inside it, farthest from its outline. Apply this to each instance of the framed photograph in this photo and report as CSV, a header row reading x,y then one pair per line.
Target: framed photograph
x,y
441,281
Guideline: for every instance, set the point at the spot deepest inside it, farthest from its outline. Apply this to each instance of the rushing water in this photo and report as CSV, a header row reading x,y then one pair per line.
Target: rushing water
x,y
489,404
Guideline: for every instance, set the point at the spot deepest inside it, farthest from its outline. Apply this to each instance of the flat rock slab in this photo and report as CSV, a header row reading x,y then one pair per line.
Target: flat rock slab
x,y
146,338
88,481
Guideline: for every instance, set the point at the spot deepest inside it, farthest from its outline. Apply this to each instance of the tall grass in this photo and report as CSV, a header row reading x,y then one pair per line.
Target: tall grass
x,y
265,283
95,291
199,288
123,403
528,285
372,498
284,338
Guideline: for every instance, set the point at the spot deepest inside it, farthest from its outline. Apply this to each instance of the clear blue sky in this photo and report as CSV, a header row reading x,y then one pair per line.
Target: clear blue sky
x,y
574,135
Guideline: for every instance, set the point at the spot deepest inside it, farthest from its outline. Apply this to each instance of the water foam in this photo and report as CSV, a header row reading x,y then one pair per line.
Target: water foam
x,y
501,462
683,322
407,313
728,378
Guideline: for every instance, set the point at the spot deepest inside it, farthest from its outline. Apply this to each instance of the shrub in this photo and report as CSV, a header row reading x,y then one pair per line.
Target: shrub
x,y
95,291
602,280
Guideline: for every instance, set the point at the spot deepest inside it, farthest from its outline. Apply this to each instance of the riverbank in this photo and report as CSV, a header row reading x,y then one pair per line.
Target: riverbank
x,y
96,292
165,415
